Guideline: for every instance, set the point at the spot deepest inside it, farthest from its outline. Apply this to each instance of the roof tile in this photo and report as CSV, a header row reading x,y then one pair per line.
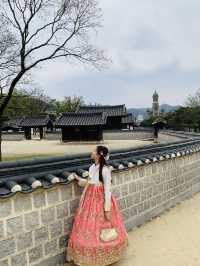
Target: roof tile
x,y
35,121
81,119
110,110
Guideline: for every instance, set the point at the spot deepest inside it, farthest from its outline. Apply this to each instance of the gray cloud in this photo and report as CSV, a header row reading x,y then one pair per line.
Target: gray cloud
x,y
152,43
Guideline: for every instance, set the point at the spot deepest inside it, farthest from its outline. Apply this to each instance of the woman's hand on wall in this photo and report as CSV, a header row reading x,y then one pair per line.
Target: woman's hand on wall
x,y
76,177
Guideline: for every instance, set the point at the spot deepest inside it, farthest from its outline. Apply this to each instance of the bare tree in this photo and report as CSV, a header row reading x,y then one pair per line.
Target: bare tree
x,y
8,56
193,100
44,30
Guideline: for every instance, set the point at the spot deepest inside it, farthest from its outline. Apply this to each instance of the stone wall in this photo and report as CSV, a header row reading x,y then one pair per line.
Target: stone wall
x,y
127,135
20,136
34,227
107,135
12,136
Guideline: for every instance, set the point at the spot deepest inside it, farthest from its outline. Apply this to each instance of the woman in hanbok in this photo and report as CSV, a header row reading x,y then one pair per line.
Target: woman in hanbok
x,y
98,235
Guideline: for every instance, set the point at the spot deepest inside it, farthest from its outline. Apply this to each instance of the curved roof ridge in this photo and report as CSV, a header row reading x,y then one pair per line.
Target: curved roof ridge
x,y
102,106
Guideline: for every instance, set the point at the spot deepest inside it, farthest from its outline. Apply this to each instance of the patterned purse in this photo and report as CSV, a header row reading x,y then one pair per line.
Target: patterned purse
x,y
108,234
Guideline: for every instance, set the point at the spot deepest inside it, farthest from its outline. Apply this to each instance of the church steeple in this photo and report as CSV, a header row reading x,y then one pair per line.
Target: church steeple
x,y
155,95
155,106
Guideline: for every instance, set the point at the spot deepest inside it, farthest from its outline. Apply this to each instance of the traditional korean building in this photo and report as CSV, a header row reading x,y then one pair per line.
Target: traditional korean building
x,y
13,125
82,126
114,114
86,123
128,121
40,122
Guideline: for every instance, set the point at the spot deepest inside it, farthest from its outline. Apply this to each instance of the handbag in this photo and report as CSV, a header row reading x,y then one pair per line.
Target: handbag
x,y
108,234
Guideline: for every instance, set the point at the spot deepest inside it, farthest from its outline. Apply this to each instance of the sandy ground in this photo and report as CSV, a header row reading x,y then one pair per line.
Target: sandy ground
x,y
172,239
12,149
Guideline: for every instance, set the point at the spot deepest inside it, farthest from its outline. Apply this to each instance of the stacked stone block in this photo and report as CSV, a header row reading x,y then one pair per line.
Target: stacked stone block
x,y
34,227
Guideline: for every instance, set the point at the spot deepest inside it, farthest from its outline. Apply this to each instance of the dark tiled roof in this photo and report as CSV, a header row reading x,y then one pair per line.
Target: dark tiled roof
x,y
81,119
13,123
128,119
35,121
27,175
110,110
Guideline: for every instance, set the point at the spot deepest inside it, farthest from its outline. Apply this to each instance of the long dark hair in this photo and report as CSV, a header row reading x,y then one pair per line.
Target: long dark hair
x,y
102,151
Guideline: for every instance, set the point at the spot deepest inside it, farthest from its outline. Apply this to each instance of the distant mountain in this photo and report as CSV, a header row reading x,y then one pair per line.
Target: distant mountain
x,y
143,111
169,108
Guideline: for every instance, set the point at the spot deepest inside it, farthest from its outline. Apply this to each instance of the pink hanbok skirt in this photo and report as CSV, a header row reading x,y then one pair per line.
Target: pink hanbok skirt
x,y
85,248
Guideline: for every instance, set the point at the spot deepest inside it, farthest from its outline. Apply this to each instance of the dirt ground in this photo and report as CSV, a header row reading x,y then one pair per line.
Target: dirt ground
x,y
172,239
31,148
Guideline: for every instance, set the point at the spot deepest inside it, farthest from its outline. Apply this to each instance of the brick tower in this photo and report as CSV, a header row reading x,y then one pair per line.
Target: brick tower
x,y
155,106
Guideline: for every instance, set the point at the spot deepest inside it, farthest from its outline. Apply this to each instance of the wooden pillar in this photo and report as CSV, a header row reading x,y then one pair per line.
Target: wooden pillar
x,y
41,132
27,133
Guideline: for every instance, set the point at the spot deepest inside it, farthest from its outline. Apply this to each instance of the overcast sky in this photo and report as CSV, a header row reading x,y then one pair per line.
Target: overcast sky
x,y
154,44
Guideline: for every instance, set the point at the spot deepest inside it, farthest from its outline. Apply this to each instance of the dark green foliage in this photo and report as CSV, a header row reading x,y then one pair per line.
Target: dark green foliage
x,y
184,118
35,103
